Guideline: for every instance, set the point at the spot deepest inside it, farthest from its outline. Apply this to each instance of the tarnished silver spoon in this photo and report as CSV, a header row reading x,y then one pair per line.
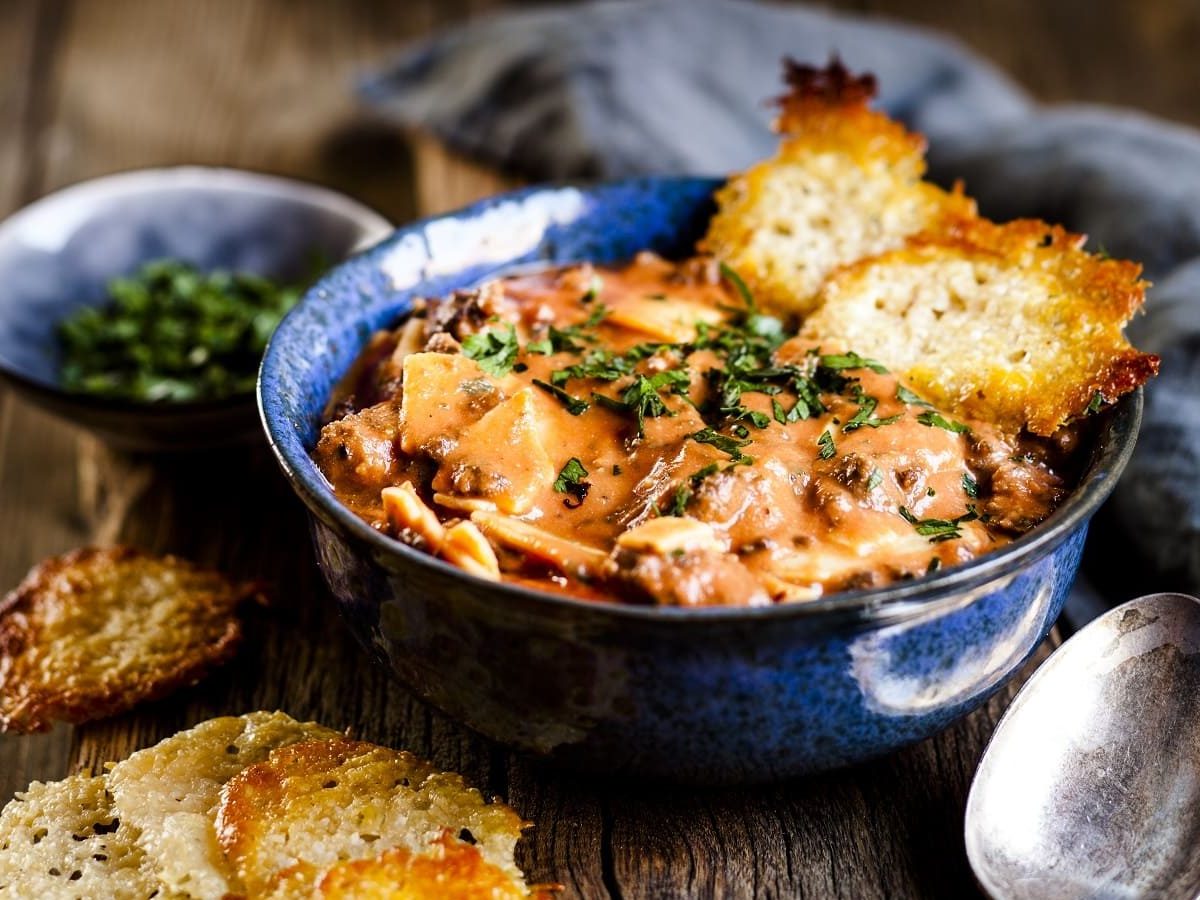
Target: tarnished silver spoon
x,y
1090,787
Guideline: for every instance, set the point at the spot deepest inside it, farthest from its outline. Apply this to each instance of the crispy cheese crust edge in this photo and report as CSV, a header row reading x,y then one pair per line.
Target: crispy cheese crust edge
x,y
1110,291
40,708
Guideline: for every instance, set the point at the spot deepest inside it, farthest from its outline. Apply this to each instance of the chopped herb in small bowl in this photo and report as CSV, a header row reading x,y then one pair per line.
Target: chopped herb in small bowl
x,y
173,334
144,372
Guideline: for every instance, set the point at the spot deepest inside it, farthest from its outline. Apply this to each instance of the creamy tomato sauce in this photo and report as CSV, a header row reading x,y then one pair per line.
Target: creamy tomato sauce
x,y
644,434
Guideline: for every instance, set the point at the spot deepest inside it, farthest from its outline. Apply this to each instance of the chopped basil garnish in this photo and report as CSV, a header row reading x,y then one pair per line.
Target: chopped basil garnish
x,y
679,501
825,443
866,414
875,479
171,334
1095,405
740,286
936,420
598,314
495,350
598,363
840,361
904,395
938,530
970,486
723,442
570,480
574,405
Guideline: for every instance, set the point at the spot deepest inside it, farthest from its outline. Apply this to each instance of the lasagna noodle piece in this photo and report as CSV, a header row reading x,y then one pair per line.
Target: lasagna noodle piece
x,y
569,557
500,456
1013,324
441,391
846,183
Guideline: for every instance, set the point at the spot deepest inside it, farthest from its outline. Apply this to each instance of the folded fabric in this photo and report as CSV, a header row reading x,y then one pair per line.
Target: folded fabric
x,y
620,88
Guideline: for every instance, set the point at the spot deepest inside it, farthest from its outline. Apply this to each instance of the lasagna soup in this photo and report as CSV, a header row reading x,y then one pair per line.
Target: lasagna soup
x,y
647,434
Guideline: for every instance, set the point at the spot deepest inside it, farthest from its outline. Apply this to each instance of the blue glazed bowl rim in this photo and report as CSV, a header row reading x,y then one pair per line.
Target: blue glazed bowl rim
x,y
1115,440
141,181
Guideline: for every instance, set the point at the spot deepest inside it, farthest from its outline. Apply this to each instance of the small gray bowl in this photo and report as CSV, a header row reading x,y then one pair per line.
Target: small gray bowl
x,y
59,253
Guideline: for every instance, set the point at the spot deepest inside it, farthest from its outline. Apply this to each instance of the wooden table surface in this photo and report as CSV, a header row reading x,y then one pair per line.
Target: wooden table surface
x,y
88,88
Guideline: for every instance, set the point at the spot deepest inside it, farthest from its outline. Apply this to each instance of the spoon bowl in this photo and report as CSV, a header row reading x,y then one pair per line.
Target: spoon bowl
x,y
1090,786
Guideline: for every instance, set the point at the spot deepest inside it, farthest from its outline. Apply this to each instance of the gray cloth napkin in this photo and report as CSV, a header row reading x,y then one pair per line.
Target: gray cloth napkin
x,y
620,88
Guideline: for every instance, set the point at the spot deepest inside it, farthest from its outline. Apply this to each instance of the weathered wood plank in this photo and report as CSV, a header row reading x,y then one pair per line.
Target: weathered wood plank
x,y
37,460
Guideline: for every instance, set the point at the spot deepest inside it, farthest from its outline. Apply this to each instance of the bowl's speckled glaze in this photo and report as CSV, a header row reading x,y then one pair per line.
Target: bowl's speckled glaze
x,y
718,695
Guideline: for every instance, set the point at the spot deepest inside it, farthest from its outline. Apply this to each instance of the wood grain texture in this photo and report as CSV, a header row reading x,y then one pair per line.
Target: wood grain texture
x,y
93,87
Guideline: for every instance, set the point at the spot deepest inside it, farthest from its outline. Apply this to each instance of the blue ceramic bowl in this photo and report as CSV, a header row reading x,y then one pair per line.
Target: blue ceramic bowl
x,y
59,253
714,695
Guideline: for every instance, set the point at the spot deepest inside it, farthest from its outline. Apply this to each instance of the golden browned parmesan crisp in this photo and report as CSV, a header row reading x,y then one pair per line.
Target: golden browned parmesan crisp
x,y
845,184
313,805
64,839
168,794
448,869
1014,324
261,806
96,631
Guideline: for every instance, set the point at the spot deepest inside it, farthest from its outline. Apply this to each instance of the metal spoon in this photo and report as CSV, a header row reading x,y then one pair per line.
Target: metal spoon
x,y
1090,787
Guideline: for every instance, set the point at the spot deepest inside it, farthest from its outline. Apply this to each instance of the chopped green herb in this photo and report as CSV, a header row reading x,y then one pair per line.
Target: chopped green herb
x,y
754,417
700,474
798,411
570,480
934,565
494,349
562,340
679,502
642,400
574,405
938,530
520,367
930,492
904,395
723,442
1095,404
598,363
866,415
172,334
875,479
840,361
970,486
642,397
933,419
825,442
596,316
740,286
616,470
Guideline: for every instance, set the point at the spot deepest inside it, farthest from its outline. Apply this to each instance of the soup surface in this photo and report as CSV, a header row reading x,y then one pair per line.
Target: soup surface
x,y
644,434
